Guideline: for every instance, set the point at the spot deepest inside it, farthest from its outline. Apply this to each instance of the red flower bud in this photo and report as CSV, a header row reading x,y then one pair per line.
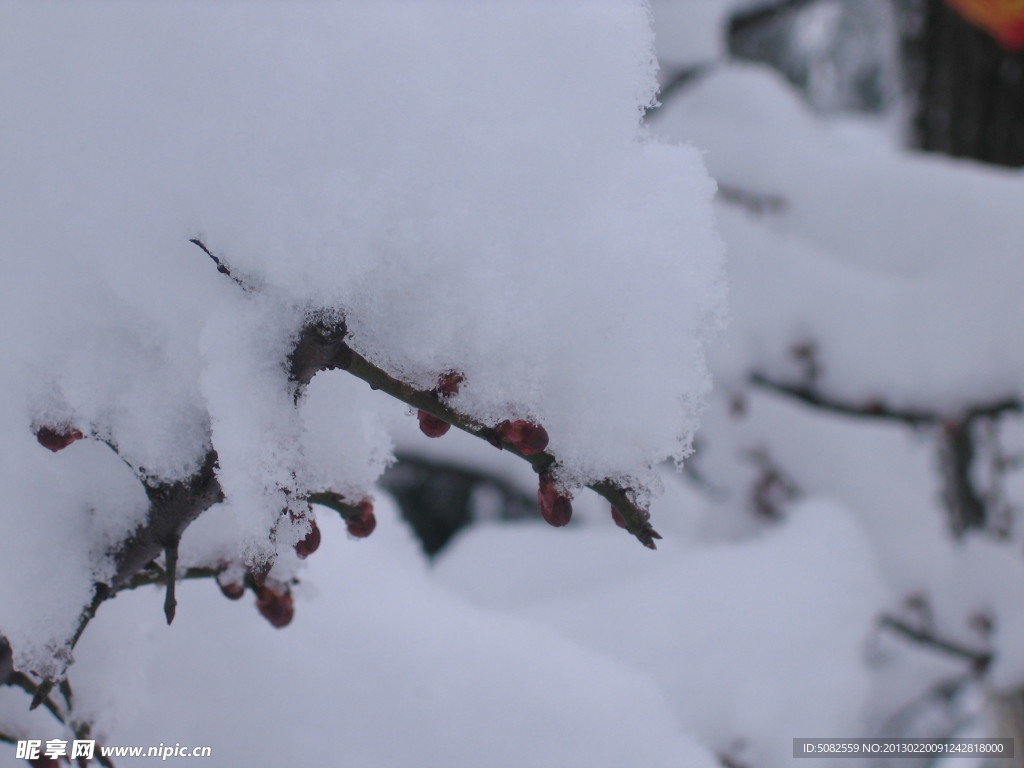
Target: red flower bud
x,y
528,438
448,384
310,543
431,426
618,518
555,506
259,571
55,439
277,607
363,523
232,590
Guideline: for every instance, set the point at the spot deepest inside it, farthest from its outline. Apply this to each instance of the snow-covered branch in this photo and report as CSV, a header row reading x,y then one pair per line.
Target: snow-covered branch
x,y
979,660
955,436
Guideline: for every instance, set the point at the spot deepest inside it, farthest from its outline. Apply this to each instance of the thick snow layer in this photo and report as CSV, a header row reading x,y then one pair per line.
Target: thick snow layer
x,y
463,211
880,258
381,667
877,277
752,643
469,184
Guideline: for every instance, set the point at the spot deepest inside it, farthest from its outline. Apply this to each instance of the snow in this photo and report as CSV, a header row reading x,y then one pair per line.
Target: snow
x,y
900,272
516,648
744,643
688,32
471,187
883,256
381,667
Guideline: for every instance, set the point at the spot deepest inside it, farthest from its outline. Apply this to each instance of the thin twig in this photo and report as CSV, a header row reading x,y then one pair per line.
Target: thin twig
x,y
170,603
81,728
321,346
221,266
173,506
873,409
957,452
979,660
636,517
39,693
158,577
877,409
758,203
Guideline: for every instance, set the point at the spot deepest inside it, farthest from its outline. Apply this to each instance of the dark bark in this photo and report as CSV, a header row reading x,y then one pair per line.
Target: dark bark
x,y
979,659
321,347
173,506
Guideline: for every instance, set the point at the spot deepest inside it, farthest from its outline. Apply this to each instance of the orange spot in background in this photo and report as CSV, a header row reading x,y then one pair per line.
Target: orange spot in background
x,y
1003,19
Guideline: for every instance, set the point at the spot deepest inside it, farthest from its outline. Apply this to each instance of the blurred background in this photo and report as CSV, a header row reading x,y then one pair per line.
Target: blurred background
x,y
845,544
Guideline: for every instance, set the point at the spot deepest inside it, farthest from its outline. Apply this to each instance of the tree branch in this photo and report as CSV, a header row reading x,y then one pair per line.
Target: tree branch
x,y
637,519
874,409
81,728
979,660
964,504
757,203
878,409
156,576
173,506
40,692
170,602
221,266
321,346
